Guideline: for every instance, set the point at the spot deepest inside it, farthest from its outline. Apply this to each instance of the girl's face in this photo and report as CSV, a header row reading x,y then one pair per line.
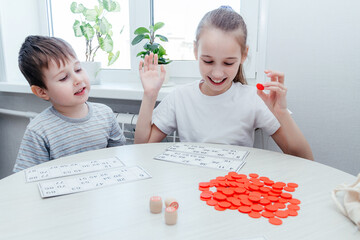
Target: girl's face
x,y
219,55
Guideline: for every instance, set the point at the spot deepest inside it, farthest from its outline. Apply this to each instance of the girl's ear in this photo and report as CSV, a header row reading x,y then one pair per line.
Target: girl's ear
x,y
244,55
195,50
40,92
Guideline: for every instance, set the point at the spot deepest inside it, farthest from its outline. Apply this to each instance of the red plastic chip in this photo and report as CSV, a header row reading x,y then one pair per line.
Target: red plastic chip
x,y
224,204
293,185
286,195
282,214
289,189
275,221
204,184
205,195
244,209
211,202
293,207
267,214
293,213
254,214
228,191
257,207
217,207
294,201
260,86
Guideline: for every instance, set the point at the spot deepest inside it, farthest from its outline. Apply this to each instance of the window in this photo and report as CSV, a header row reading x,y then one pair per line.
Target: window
x,y
180,18
17,23
63,27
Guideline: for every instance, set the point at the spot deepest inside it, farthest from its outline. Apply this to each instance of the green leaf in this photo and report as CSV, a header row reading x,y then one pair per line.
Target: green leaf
x,y
162,38
75,8
90,15
161,60
115,7
141,30
99,10
154,46
137,39
162,51
88,31
104,25
164,61
158,25
107,5
142,53
106,44
77,29
113,57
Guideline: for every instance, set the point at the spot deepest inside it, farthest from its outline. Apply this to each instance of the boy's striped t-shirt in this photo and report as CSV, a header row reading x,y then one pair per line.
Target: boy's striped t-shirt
x,y
51,135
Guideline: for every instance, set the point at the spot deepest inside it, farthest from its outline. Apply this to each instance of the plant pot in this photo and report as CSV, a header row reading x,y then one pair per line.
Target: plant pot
x,y
92,69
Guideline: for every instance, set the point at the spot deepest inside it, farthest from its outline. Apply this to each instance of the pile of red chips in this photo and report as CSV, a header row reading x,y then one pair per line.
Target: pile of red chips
x,y
256,196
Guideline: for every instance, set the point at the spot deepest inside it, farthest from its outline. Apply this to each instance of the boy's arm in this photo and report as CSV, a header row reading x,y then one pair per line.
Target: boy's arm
x,y
32,151
117,137
151,80
288,137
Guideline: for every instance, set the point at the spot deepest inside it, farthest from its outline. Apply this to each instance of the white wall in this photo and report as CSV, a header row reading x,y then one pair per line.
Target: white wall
x,y
317,45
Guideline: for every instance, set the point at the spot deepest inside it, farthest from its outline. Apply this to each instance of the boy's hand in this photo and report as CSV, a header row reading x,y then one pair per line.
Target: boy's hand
x,y
276,99
149,74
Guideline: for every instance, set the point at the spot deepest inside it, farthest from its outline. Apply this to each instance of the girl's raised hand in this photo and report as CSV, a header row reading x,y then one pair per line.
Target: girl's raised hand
x,y
276,99
149,74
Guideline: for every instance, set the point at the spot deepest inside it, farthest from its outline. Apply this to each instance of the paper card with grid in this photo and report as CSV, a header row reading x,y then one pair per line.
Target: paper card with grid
x,y
91,181
210,157
62,170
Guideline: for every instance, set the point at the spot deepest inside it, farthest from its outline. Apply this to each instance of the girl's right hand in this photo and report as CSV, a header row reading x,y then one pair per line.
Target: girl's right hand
x,y
276,99
149,74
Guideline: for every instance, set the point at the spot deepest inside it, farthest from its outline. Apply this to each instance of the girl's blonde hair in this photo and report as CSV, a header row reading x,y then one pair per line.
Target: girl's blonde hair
x,y
227,20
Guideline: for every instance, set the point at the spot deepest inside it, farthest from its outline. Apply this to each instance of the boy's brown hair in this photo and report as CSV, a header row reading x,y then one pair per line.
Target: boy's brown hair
x,y
35,54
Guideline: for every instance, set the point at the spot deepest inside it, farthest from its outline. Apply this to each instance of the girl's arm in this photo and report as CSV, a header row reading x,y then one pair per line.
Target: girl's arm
x,y
288,137
151,81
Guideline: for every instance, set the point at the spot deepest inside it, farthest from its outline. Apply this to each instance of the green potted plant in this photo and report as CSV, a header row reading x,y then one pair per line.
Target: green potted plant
x,y
93,24
151,46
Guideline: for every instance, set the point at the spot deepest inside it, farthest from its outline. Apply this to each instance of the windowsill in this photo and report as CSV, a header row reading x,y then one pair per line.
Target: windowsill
x,y
126,90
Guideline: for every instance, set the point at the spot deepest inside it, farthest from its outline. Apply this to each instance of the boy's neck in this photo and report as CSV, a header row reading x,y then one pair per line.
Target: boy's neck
x,y
79,111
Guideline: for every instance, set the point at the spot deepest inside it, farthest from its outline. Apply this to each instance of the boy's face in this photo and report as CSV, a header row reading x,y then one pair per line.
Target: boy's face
x,y
67,86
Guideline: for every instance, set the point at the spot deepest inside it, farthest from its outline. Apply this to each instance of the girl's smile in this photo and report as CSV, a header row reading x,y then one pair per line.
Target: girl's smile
x,y
217,82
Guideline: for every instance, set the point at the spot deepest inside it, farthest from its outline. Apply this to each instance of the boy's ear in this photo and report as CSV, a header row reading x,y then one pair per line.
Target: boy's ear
x,y
244,55
40,92
195,50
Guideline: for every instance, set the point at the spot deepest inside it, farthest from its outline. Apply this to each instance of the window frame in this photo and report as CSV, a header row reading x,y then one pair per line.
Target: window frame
x,y
253,11
2,61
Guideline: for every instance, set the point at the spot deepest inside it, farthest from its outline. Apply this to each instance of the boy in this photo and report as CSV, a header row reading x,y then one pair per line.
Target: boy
x,y
71,125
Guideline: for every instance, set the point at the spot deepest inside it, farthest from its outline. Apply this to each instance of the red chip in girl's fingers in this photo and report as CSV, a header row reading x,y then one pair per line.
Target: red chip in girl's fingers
x,y
260,86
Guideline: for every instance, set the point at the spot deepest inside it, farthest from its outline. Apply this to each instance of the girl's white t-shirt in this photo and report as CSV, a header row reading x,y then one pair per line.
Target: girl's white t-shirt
x,y
228,118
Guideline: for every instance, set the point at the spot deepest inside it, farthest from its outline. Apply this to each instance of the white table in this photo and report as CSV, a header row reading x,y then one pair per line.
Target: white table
x,y
121,211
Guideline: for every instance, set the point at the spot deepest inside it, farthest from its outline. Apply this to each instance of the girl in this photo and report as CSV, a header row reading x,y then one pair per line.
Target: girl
x,y
220,108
